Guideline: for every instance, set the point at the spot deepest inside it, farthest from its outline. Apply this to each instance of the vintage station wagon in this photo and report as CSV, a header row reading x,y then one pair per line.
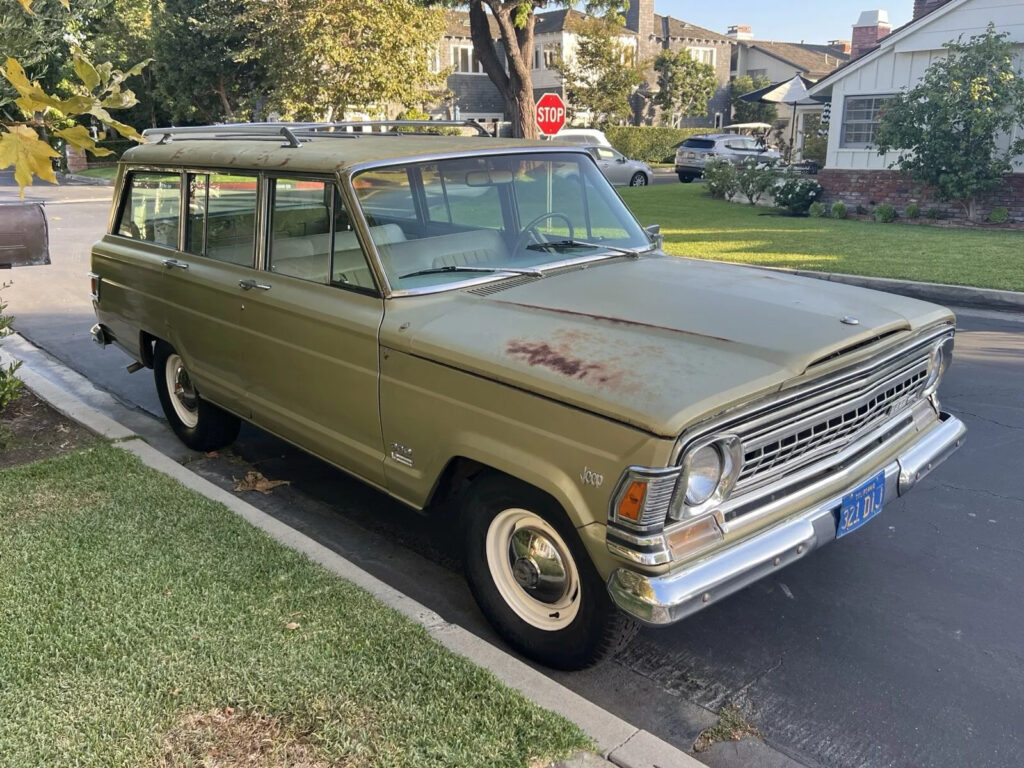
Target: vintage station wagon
x,y
630,436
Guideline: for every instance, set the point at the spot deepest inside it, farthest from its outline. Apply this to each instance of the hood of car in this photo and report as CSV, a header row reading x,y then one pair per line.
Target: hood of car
x,y
659,342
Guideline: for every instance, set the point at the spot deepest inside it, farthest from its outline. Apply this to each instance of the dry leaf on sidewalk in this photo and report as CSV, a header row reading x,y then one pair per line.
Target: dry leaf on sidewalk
x,y
254,481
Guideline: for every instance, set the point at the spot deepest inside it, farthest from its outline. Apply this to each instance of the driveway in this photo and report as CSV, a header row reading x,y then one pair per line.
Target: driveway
x,y
898,646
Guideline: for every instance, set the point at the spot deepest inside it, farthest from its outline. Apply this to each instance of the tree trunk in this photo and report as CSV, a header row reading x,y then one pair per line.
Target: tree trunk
x,y
223,93
515,86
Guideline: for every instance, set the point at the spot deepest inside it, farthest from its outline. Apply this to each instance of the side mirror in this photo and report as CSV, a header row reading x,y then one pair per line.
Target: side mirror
x,y
654,232
620,160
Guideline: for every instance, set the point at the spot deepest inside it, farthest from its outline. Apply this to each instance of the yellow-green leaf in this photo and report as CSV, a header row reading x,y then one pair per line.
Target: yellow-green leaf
x,y
86,71
21,147
27,5
125,130
66,4
80,137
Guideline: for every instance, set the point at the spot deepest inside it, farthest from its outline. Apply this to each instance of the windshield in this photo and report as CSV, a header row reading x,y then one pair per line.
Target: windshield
x,y
448,221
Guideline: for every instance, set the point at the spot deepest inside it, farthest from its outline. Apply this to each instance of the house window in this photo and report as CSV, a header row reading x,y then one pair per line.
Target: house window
x,y
434,59
546,55
861,116
464,60
703,55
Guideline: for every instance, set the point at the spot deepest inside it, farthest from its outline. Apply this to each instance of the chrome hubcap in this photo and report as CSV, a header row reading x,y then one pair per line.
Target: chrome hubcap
x,y
532,569
537,565
184,398
183,388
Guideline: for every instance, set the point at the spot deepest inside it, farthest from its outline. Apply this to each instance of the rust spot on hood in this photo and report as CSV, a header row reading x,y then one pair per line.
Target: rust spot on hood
x,y
556,358
615,320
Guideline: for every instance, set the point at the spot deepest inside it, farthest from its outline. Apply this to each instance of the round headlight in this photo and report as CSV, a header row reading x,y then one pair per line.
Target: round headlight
x,y
941,357
703,474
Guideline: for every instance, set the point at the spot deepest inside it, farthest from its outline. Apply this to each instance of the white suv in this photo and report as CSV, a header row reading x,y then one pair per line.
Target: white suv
x,y
693,154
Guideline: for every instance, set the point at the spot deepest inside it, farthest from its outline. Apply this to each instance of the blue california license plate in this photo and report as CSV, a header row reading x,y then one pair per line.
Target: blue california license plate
x,y
861,504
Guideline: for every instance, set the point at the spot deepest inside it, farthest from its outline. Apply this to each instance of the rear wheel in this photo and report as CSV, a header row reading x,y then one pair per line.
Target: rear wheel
x,y
686,178
639,179
533,579
199,424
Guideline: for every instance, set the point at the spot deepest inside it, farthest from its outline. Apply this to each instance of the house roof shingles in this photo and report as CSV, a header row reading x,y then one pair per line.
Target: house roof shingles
x,y
814,60
685,31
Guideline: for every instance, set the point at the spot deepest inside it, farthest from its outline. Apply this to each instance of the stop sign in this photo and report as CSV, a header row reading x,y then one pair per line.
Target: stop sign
x,y
550,113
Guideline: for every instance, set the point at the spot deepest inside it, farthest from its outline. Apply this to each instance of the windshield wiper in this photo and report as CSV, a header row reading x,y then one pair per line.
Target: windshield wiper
x,y
572,243
439,270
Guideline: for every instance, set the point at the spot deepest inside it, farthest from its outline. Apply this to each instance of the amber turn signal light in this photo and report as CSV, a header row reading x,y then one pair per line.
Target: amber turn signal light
x,y
632,504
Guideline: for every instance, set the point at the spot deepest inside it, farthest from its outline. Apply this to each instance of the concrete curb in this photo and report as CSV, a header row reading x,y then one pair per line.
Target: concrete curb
x,y
956,295
623,744
85,180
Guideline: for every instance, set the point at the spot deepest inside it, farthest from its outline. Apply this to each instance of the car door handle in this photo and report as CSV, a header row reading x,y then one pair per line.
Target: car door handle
x,y
248,285
175,264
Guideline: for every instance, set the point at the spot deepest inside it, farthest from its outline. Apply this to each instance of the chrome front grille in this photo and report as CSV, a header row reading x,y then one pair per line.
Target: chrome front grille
x,y
813,429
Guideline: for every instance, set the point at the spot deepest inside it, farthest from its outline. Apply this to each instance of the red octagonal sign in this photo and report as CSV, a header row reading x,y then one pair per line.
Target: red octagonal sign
x,y
550,113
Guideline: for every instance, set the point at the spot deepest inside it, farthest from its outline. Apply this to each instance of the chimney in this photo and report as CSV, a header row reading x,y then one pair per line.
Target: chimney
x,y
841,46
741,32
922,7
640,18
870,28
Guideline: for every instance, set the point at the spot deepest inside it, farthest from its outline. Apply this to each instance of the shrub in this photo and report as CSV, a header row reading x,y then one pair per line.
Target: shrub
x,y
839,210
10,384
795,194
720,179
933,213
999,215
817,210
885,213
912,211
651,144
753,179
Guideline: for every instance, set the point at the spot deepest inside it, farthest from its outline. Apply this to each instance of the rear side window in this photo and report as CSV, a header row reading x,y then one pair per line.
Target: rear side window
x,y
222,217
151,210
699,144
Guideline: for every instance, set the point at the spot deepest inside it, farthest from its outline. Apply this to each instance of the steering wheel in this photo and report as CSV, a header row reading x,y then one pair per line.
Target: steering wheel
x,y
530,232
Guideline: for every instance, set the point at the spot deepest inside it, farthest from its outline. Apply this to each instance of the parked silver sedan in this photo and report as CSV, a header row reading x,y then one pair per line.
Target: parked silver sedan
x,y
619,169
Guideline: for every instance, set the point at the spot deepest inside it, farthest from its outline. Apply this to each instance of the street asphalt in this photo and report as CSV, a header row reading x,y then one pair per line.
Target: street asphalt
x,y
900,645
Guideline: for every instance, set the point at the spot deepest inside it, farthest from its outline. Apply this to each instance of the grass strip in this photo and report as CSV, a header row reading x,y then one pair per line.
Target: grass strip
x,y
148,626
697,226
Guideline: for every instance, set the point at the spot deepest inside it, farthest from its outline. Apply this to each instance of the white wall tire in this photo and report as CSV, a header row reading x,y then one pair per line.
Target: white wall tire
x,y
184,399
514,535
198,423
541,585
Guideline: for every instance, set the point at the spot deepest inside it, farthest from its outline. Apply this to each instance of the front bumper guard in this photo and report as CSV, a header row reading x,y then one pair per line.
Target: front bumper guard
x,y
665,599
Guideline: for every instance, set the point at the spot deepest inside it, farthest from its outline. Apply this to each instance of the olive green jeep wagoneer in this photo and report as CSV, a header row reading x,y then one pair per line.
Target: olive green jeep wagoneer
x,y
630,436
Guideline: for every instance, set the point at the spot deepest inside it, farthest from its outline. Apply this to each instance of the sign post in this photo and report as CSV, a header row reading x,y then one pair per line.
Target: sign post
x,y
550,113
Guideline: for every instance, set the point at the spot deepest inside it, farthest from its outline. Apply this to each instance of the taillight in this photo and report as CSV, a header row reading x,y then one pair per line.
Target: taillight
x,y
94,286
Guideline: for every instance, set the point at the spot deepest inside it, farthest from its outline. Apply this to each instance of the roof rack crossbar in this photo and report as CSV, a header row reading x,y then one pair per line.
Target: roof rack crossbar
x,y
292,132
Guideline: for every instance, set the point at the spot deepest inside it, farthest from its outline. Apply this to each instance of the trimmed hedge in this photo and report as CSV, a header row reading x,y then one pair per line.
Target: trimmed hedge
x,y
651,144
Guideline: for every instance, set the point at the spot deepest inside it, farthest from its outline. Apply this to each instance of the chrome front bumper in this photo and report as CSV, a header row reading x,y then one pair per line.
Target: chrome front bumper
x,y
664,599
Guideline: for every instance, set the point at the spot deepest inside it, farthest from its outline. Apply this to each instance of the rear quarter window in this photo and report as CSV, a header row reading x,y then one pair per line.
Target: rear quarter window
x,y
699,144
151,208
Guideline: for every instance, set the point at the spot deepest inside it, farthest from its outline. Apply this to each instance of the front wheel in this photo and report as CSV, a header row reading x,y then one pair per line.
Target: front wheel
x,y
533,579
199,424
639,179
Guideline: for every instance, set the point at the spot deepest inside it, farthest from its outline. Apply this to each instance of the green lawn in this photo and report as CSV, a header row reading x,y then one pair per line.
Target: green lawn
x,y
697,226
106,172
147,626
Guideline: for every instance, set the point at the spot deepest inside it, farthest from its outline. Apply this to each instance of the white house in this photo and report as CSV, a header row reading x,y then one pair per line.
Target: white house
x,y
854,171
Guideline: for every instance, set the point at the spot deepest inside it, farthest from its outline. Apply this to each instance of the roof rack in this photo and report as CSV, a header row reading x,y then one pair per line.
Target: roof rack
x,y
294,133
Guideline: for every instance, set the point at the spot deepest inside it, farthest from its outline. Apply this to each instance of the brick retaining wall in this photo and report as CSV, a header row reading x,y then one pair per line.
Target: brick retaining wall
x,y
871,188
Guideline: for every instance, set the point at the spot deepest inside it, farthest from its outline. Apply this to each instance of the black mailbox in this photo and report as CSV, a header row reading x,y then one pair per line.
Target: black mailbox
x,y
24,239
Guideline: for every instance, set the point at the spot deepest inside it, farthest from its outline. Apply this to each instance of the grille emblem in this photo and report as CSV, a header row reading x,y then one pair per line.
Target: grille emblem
x,y
848,320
